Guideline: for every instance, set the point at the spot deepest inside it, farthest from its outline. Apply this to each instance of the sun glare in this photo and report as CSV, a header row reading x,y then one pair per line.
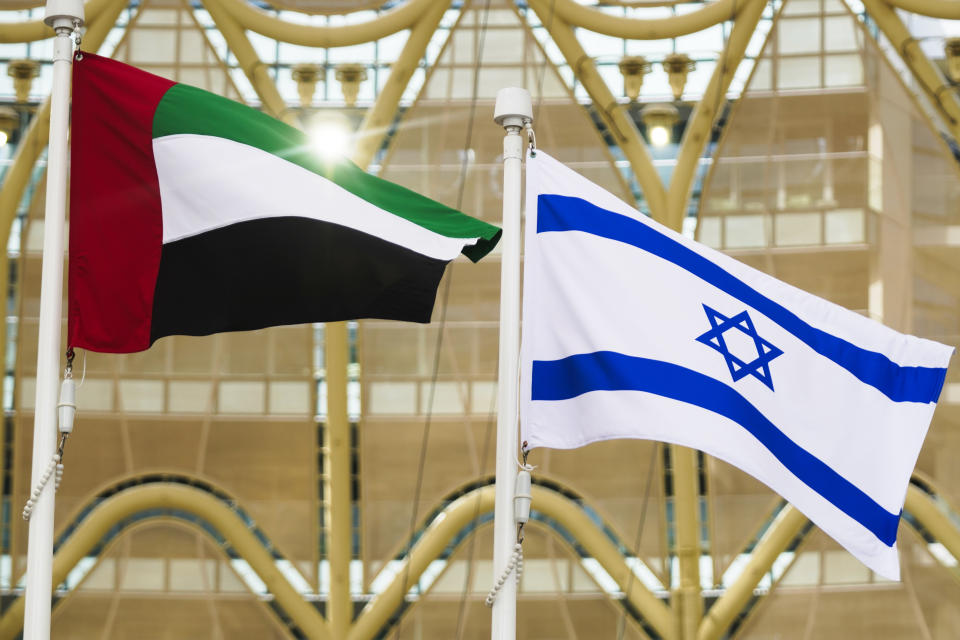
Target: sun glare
x,y
331,139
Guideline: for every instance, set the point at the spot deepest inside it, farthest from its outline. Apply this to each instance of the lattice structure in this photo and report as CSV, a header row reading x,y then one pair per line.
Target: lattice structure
x,y
830,170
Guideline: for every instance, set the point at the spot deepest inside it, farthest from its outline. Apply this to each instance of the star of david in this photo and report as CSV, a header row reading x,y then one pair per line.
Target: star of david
x,y
758,367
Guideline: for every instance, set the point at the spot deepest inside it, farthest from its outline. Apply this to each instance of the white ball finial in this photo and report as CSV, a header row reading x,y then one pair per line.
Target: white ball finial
x,y
513,108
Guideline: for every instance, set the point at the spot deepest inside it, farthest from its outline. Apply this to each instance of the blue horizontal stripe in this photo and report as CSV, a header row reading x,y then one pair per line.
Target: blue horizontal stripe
x,y
900,384
609,371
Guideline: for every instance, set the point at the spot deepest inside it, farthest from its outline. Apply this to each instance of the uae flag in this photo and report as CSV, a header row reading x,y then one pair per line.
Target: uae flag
x,y
191,214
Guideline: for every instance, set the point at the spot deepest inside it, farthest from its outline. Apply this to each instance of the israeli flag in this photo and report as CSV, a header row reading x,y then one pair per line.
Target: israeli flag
x,y
633,331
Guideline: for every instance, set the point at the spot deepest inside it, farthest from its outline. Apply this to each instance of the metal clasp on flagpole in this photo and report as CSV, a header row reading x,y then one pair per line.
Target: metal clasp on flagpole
x,y
77,38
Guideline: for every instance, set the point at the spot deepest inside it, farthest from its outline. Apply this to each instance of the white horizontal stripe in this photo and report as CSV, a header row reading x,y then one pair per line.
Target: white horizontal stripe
x,y
208,182
671,421
817,312
627,301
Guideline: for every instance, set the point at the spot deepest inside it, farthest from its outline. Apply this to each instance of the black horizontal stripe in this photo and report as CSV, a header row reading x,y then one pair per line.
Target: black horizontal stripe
x,y
289,270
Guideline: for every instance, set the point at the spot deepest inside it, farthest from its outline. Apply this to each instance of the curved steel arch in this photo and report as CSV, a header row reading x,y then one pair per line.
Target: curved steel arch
x,y
920,504
944,9
153,477
263,23
939,92
169,496
667,204
36,30
175,521
478,502
19,5
444,527
637,29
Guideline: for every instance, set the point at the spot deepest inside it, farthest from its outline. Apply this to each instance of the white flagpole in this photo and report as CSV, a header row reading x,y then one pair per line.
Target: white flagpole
x,y
64,16
513,110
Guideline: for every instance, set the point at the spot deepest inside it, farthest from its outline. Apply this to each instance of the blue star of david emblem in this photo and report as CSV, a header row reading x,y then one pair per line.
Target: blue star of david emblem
x,y
758,367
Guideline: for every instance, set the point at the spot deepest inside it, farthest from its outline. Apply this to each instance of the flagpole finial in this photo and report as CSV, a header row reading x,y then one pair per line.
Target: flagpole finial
x,y
513,107
64,13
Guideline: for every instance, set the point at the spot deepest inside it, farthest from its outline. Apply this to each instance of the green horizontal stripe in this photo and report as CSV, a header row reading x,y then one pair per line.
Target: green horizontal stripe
x,y
187,110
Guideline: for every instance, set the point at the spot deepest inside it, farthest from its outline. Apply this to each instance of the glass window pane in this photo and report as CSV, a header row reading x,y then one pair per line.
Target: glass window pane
x,y
702,44
290,397
762,80
797,229
708,231
241,397
799,73
799,35
598,45
801,7
448,398
840,34
391,398
141,395
364,53
844,226
843,71
190,396
743,232
389,48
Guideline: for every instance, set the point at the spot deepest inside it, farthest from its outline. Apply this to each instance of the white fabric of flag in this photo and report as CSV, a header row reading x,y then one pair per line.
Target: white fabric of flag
x,y
631,330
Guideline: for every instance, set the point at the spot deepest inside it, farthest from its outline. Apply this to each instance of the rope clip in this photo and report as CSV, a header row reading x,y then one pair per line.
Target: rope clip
x,y
77,39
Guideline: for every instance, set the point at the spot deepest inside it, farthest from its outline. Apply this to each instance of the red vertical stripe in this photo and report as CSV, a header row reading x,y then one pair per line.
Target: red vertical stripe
x,y
116,225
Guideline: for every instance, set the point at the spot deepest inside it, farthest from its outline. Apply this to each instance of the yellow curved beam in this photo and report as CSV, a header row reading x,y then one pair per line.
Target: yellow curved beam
x,y
937,523
183,498
615,116
784,530
17,5
943,9
636,29
598,546
480,501
697,134
36,30
941,94
377,120
255,70
384,25
450,522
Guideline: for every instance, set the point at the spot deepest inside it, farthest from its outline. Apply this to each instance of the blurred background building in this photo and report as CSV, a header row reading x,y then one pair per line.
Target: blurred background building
x,y
815,140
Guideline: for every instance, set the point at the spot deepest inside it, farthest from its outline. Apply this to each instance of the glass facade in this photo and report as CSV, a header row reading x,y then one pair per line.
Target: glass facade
x,y
829,167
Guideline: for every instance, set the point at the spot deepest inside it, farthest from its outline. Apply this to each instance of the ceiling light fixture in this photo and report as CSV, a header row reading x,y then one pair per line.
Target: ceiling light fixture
x,y
677,66
9,120
350,76
633,69
306,76
659,120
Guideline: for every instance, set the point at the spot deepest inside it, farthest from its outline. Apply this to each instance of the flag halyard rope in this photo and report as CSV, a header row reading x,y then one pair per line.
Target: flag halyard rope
x,y
516,562
66,412
464,170
521,511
